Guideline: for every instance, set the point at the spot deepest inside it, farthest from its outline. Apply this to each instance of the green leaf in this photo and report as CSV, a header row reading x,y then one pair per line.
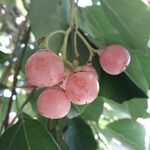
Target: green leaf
x,y
129,132
81,48
3,108
25,135
2,86
133,109
93,110
76,110
3,57
79,136
136,107
135,73
145,61
129,18
12,2
94,22
47,16
32,103
119,88
95,2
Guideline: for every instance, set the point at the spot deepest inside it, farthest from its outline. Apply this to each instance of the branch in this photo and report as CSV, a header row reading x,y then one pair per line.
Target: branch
x,y
23,105
25,40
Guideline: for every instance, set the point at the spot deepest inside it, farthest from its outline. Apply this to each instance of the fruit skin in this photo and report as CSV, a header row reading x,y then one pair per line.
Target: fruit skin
x,y
68,72
114,59
89,68
53,103
28,87
82,88
44,69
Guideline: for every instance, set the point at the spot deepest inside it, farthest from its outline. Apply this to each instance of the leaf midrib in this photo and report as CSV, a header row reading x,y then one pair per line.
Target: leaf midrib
x,y
119,19
14,137
123,138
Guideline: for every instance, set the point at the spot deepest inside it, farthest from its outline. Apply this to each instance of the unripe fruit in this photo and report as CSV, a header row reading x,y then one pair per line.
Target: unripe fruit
x,y
89,68
114,59
53,103
44,69
82,88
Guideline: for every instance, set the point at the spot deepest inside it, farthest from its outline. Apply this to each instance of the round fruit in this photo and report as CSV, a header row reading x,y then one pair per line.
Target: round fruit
x,y
53,103
28,87
89,68
44,69
114,59
82,88
68,72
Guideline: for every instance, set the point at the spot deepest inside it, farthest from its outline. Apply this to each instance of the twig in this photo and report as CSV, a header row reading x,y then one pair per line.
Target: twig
x,y
64,46
95,128
25,40
23,105
75,45
49,124
52,34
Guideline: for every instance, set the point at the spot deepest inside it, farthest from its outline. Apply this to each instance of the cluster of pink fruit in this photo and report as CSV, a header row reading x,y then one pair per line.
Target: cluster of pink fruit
x,y
79,86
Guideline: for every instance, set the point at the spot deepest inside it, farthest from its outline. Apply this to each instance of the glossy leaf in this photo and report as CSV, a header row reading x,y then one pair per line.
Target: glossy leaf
x,y
132,109
129,132
3,108
26,135
34,97
79,136
119,88
135,73
136,107
145,61
131,19
81,49
94,22
93,110
76,110
47,17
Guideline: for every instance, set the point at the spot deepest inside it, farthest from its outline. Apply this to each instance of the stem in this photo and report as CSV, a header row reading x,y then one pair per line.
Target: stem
x,y
91,50
64,46
95,128
75,16
49,125
86,43
23,105
6,72
13,91
52,34
75,45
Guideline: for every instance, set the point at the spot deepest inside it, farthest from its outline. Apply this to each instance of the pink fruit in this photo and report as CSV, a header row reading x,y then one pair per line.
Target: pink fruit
x,y
82,88
68,72
114,59
28,87
53,103
44,69
89,68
